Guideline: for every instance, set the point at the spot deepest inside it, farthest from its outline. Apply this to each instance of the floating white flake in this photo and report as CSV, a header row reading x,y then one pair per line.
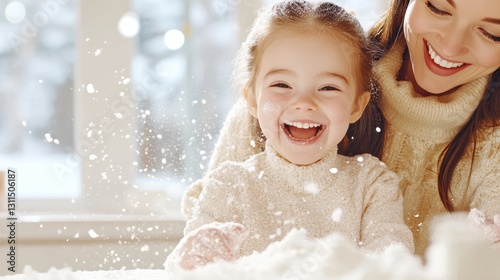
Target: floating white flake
x,y
311,188
93,234
48,137
90,88
334,170
337,215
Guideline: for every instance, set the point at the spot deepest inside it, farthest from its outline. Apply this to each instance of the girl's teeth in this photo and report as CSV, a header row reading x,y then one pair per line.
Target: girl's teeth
x,y
303,125
440,61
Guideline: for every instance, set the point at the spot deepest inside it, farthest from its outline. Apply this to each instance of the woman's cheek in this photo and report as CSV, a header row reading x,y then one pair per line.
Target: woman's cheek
x,y
417,20
490,58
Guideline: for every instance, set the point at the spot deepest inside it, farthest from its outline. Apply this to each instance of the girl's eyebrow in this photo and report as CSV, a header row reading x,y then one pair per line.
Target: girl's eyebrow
x,y
335,75
290,72
279,71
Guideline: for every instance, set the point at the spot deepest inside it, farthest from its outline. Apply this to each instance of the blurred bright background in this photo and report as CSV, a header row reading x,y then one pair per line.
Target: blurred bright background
x,y
110,109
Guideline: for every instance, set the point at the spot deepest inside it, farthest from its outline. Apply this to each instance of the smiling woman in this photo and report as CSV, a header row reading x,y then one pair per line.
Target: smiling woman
x,y
451,43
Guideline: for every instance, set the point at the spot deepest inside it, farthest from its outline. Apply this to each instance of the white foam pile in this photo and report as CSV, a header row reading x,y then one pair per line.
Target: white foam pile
x,y
457,251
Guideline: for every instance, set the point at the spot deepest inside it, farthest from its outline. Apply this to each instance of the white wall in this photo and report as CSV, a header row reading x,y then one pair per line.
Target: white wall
x,y
92,243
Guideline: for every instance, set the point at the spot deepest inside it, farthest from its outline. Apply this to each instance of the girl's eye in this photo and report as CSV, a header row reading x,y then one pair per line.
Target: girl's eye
x,y
493,38
280,85
435,10
328,88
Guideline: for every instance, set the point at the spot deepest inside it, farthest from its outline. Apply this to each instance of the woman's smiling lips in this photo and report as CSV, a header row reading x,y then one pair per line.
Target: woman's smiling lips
x,y
303,132
439,65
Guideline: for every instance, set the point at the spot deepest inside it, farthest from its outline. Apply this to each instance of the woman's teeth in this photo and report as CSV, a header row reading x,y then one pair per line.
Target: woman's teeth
x,y
440,61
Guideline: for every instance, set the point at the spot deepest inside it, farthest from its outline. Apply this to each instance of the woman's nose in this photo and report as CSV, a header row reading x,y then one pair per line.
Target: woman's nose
x,y
454,42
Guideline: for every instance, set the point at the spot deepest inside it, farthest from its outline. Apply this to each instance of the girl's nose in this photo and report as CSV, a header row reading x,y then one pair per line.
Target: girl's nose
x,y
305,102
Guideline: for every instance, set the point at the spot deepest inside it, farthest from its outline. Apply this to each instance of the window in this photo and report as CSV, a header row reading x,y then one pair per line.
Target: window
x,y
36,113
182,67
115,106
118,110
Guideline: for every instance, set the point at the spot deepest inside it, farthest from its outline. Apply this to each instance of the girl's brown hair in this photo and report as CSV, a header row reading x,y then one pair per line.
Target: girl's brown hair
x,y
330,20
385,33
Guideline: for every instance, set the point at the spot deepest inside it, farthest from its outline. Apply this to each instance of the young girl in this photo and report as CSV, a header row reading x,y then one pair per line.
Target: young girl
x,y
439,78
306,70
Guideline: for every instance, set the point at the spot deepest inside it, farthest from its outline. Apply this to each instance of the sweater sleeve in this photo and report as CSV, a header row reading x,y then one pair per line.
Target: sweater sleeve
x,y
218,201
239,138
486,197
382,222
190,198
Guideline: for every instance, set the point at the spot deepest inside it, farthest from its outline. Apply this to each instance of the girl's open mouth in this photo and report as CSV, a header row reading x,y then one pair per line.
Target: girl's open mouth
x,y
303,132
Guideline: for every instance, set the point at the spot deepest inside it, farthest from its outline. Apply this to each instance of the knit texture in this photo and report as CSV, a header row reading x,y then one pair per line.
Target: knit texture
x,y
417,130
357,197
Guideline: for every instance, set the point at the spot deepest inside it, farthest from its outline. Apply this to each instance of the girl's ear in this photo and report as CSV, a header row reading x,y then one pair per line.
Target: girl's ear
x,y
359,106
249,95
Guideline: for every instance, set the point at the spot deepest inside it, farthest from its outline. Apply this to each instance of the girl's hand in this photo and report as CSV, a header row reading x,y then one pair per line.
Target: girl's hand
x,y
211,242
491,227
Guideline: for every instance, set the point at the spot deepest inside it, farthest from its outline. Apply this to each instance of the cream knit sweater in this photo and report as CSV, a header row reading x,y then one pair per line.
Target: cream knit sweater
x,y
417,129
357,197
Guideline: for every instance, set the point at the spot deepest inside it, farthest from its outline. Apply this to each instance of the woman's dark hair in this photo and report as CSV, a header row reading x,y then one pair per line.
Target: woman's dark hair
x,y
385,33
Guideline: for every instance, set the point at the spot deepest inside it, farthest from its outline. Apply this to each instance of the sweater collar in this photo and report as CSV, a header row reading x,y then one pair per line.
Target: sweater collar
x,y
434,118
299,178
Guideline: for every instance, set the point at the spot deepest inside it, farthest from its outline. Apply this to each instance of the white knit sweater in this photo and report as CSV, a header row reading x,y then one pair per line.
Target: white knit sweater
x,y
417,130
357,197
